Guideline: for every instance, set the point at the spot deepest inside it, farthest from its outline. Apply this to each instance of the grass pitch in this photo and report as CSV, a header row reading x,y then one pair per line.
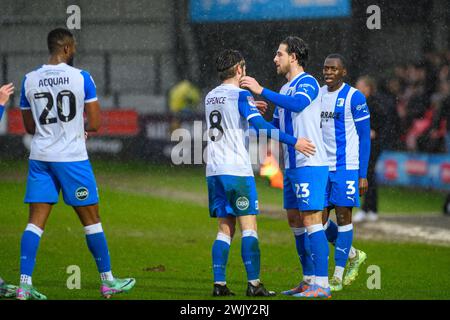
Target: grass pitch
x,y
162,237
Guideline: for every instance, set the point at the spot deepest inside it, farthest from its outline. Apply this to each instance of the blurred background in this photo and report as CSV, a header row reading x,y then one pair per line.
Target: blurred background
x,y
153,62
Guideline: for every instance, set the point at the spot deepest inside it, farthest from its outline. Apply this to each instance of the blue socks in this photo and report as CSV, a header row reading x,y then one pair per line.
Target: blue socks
x,y
319,253
220,251
304,253
343,244
249,251
28,249
250,254
331,231
96,242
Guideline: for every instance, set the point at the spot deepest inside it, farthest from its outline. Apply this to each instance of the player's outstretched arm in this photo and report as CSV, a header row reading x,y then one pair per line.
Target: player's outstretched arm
x,y
361,117
303,145
5,91
296,103
93,116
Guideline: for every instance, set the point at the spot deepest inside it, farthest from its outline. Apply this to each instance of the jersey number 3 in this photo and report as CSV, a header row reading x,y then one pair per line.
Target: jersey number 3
x,y
43,120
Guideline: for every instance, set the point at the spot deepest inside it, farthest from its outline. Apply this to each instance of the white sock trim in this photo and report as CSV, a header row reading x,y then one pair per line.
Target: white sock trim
x,y
322,281
345,228
223,237
339,272
326,225
314,228
106,276
298,231
35,229
26,279
249,233
93,228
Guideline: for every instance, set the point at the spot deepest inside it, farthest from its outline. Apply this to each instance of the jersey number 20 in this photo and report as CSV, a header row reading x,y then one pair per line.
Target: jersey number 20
x,y
59,103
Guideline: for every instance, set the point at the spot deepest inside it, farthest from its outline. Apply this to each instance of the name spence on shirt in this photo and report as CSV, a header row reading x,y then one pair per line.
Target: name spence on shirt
x,y
50,82
216,100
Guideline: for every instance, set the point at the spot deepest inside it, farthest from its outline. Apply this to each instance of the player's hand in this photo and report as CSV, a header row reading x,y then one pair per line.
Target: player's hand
x,y
251,84
5,92
363,186
262,106
305,146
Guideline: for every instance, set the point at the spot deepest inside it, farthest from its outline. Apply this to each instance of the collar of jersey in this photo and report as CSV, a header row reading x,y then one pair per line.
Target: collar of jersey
x,y
297,76
338,90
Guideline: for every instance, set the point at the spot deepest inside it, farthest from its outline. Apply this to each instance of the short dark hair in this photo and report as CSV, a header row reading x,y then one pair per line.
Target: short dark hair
x,y
56,37
299,47
225,62
338,56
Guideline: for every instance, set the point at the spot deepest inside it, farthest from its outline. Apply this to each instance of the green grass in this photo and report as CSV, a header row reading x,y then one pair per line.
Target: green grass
x,y
166,244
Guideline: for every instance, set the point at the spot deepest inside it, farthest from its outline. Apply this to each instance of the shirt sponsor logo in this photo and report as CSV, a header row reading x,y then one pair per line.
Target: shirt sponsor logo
x,y
327,115
82,193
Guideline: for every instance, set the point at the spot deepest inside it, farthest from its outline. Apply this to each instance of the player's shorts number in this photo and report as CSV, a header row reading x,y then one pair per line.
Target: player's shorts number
x,y
215,118
350,187
43,120
302,190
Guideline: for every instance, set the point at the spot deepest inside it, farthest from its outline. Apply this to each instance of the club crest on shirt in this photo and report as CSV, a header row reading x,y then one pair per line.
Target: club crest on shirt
x,y
340,102
251,101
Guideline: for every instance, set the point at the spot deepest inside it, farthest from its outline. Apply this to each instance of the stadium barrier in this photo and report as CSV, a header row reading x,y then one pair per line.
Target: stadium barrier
x,y
422,170
128,135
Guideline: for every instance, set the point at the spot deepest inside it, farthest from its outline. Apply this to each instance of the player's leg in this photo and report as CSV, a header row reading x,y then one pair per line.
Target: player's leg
x,y
311,183
300,236
251,256
345,196
330,227
220,253
80,191
96,242
220,209
40,177
243,200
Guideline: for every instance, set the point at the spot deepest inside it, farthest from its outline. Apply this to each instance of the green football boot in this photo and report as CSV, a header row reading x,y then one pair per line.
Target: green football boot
x,y
27,292
353,267
110,288
7,290
335,284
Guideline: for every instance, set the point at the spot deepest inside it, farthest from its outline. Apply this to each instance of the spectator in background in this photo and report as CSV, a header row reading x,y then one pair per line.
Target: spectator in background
x,y
184,98
379,126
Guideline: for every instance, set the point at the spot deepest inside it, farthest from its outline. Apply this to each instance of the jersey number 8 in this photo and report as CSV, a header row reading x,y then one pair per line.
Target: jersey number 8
x,y
215,118
43,120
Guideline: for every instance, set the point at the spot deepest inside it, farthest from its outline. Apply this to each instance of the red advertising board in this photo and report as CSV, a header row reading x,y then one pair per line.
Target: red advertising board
x,y
114,123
